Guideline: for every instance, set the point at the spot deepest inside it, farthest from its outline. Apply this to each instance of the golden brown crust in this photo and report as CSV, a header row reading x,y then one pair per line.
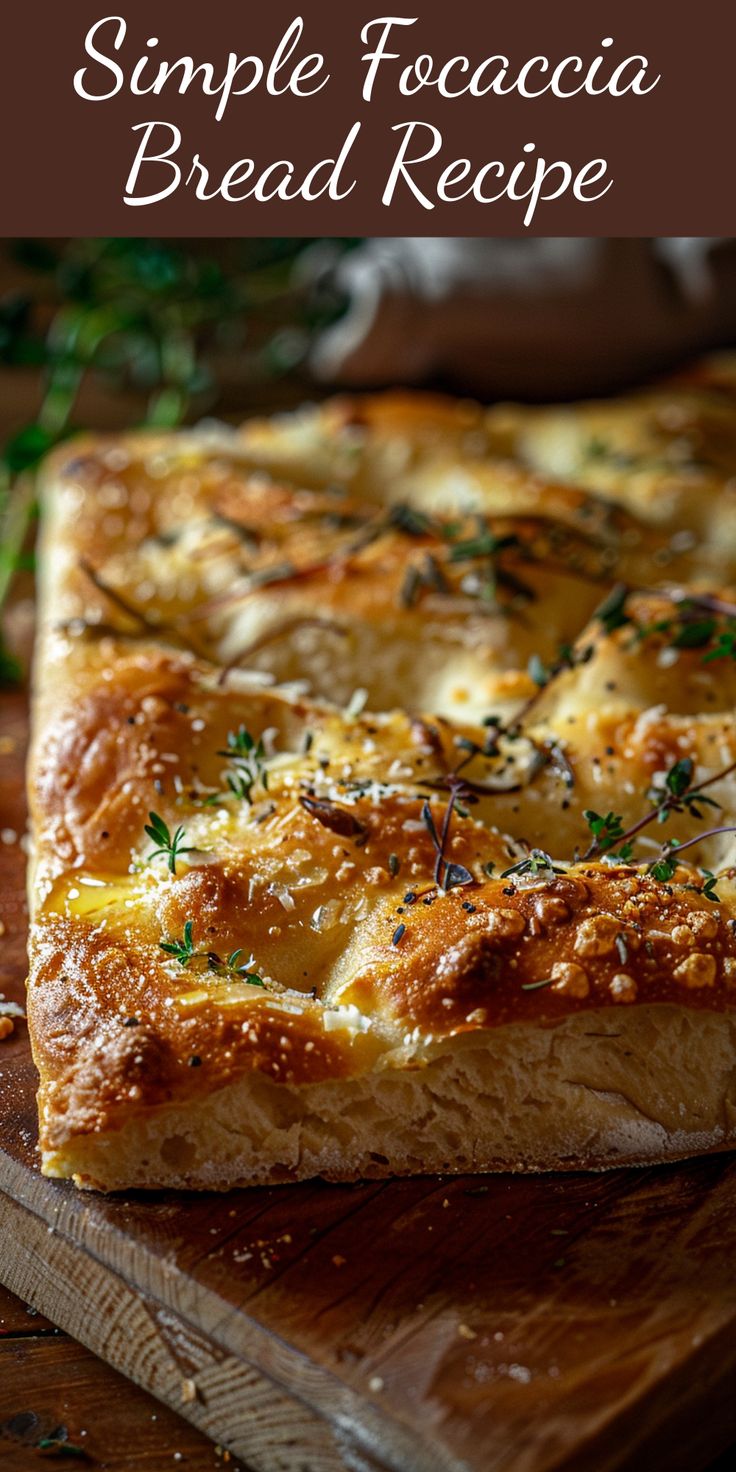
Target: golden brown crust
x,y
370,870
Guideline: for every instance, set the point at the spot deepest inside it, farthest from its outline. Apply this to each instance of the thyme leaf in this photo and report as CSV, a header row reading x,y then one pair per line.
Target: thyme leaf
x,y
182,950
246,764
606,830
663,869
168,844
708,888
724,648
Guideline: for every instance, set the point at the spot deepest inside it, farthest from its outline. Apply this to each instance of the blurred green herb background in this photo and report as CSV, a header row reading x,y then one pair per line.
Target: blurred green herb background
x,y
155,320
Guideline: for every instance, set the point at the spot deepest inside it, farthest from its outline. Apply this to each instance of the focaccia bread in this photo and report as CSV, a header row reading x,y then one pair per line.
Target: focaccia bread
x,y
363,749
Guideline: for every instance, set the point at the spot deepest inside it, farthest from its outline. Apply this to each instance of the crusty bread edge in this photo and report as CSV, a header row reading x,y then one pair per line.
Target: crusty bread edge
x,y
596,1091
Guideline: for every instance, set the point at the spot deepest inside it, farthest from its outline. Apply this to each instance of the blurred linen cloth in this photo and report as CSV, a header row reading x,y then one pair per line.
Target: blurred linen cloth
x,y
529,318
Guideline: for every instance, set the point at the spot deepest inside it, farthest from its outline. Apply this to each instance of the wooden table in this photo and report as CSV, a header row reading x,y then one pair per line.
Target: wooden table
x,y
50,1387
52,1390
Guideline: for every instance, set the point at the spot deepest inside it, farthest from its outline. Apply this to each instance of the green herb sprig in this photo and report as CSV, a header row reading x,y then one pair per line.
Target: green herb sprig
x,y
607,830
611,613
246,764
233,967
724,647
169,845
665,866
183,950
678,795
486,549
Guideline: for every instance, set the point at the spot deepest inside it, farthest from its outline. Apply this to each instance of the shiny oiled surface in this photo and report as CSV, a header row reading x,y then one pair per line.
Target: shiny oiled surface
x,y
508,1323
348,818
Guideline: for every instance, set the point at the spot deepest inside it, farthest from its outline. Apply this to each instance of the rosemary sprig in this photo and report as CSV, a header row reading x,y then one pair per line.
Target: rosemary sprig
x,y
421,577
410,520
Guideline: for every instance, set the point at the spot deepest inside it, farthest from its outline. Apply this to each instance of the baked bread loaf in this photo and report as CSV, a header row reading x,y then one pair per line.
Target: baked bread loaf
x,y
383,787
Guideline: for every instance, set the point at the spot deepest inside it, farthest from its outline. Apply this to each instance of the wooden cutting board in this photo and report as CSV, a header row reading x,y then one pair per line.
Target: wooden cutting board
x,y
494,1324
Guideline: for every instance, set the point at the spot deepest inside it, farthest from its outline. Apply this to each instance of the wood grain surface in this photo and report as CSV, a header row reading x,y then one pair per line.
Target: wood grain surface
x,y
59,1403
574,1322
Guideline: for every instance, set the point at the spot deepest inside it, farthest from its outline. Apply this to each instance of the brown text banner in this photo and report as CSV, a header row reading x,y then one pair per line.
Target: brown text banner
x,y
311,118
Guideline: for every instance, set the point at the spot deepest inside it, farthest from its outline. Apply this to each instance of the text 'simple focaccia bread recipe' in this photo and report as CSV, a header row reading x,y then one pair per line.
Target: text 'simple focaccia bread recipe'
x,y
383,788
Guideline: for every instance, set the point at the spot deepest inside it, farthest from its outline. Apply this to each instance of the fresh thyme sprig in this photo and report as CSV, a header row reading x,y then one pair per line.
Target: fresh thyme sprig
x,y
678,795
695,624
689,631
184,952
607,829
246,764
168,844
235,968
664,867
